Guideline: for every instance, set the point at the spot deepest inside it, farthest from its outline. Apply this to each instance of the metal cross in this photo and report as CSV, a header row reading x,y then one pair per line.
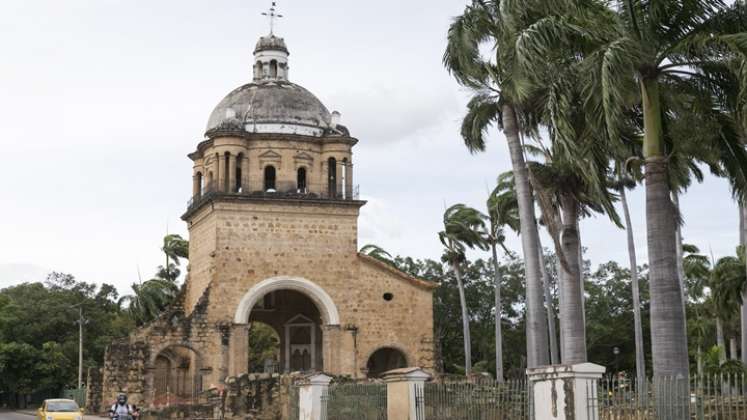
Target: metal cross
x,y
272,16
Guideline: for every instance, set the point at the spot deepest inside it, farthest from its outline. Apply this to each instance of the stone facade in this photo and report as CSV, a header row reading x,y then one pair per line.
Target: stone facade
x,y
273,238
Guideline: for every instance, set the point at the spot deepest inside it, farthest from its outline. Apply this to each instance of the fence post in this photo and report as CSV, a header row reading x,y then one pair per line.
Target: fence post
x,y
310,393
402,389
565,392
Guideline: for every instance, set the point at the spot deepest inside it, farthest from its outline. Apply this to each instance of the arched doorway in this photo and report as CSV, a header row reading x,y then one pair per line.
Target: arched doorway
x,y
298,322
384,359
298,310
176,377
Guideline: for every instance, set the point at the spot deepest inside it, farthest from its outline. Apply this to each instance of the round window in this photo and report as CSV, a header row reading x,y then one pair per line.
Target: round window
x,y
388,296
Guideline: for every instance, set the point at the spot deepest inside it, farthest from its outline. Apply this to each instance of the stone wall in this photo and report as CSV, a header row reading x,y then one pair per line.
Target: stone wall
x,y
94,390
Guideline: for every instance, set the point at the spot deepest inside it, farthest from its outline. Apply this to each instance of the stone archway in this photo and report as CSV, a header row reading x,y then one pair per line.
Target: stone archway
x,y
175,376
327,307
384,359
304,316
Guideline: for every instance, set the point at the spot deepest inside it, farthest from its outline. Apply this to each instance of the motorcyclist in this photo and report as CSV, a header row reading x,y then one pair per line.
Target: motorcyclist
x,y
121,410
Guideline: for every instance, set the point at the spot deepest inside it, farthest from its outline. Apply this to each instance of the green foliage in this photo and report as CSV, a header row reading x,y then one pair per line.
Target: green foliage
x,y
39,336
264,344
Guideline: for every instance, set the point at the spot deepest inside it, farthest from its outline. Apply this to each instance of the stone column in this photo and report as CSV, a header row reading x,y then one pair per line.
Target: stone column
x,y
245,174
565,392
310,393
239,351
331,342
231,173
219,172
225,340
404,393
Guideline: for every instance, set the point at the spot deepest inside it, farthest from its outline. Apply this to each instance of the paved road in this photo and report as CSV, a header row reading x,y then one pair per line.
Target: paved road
x,y
7,415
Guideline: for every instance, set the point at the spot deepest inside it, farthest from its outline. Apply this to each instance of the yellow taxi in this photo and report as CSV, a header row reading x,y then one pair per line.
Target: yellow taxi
x,y
59,409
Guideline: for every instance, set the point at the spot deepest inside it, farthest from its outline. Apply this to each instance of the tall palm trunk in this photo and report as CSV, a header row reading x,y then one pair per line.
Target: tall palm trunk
x,y
733,348
680,252
554,356
640,360
668,331
465,319
572,322
498,317
720,342
536,324
743,308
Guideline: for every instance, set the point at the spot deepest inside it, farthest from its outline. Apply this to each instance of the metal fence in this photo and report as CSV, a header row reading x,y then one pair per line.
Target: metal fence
x,y
77,394
715,397
365,401
483,400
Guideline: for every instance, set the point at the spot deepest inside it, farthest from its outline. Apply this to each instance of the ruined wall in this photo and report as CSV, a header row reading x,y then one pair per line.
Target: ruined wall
x,y
129,363
94,390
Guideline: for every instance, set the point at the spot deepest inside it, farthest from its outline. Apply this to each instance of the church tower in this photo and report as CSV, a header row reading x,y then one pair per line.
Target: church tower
x,y
273,242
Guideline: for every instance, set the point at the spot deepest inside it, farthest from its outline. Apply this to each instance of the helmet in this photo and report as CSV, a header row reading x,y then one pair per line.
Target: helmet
x,y
122,398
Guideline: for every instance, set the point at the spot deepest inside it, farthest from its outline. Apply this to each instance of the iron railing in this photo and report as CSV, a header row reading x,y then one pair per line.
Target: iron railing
x,y
710,397
481,400
287,190
360,401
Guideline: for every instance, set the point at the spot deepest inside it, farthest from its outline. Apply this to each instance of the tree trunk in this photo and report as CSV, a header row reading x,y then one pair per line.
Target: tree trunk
x,y
554,357
640,358
498,317
668,330
536,324
720,342
572,323
680,252
743,308
733,348
465,320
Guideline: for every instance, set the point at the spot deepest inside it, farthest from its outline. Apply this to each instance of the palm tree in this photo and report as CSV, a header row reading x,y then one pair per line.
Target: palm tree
x,y
150,299
175,247
640,356
650,51
463,228
503,212
377,252
497,100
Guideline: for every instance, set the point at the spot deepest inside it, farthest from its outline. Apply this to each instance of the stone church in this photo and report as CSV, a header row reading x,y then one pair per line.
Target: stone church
x,y
273,239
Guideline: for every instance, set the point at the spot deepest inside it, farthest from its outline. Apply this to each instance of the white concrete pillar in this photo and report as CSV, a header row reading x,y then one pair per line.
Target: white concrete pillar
x,y
565,392
403,386
310,396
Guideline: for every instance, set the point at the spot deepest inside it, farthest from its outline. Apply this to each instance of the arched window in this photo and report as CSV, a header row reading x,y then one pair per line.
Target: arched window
x,y
273,68
198,187
270,178
301,180
332,177
239,163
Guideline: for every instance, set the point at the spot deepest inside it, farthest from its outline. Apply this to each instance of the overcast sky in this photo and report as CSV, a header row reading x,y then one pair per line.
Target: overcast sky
x,y
100,102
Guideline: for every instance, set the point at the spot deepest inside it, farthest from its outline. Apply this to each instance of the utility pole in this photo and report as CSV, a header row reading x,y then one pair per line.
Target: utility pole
x,y
80,323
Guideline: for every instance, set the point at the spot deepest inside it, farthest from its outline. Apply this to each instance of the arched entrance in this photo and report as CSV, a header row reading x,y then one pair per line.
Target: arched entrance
x,y
176,377
298,310
384,359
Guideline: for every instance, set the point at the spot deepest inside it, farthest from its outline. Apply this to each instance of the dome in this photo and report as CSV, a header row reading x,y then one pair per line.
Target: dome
x,y
274,106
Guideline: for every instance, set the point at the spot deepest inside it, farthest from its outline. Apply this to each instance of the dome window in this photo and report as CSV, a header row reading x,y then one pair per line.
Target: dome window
x,y
270,178
332,176
273,69
301,180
